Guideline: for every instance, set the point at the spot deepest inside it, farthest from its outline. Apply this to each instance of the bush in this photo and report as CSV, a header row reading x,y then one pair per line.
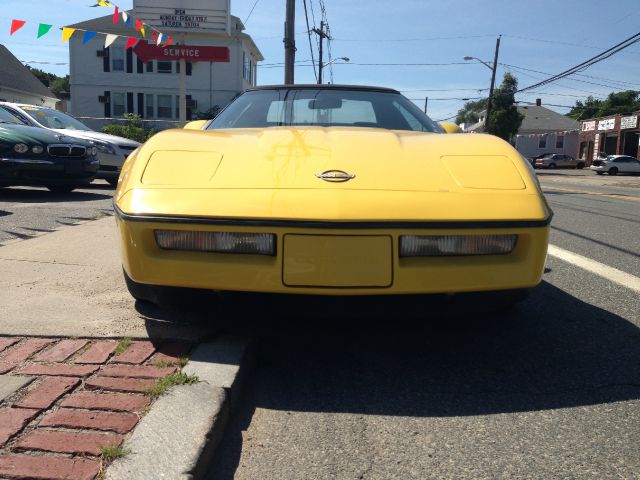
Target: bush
x,y
209,114
131,129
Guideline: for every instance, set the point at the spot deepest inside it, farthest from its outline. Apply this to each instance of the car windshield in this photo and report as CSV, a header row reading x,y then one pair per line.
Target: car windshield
x,y
324,107
7,117
54,119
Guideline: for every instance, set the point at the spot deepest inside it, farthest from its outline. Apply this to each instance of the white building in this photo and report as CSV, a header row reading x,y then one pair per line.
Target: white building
x,y
19,85
107,83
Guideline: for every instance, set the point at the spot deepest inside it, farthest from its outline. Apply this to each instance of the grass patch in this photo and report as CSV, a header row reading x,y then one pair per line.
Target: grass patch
x,y
111,452
181,362
163,384
122,346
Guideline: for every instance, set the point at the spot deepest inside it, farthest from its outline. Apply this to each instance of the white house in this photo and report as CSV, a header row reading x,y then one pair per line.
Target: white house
x,y
19,85
109,82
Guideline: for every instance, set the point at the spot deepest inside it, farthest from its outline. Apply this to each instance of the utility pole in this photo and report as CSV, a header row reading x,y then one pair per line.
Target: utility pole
x,y
426,103
290,43
321,33
493,82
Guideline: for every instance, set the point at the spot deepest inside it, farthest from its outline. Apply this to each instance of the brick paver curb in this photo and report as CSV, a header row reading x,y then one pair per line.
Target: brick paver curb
x,y
68,399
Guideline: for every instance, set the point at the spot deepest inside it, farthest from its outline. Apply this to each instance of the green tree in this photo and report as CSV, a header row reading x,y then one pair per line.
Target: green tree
x,y
505,119
615,103
470,113
60,87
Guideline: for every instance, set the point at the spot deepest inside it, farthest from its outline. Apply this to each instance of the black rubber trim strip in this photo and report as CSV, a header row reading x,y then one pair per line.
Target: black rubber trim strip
x,y
365,225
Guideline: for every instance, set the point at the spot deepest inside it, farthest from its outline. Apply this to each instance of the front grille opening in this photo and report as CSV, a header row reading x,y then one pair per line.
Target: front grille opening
x,y
66,150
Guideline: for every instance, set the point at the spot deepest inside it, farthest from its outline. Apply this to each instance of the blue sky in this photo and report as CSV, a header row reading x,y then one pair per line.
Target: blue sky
x,y
542,35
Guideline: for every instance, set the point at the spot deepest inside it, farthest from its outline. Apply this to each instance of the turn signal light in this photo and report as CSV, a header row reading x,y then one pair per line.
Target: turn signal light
x,y
220,242
453,245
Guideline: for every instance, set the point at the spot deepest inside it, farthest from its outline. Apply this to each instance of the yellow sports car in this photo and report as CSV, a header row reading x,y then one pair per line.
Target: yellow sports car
x,y
329,190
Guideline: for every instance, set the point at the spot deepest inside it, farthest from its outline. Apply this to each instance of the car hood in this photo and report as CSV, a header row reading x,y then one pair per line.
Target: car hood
x,y
282,158
105,137
33,135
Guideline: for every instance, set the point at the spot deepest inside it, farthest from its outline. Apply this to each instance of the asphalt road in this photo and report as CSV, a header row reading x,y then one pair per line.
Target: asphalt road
x,y
26,212
551,390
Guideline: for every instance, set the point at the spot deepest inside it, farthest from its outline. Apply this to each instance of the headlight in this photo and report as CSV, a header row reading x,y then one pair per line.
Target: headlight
x,y
451,245
104,148
37,149
92,151
221,242
21,148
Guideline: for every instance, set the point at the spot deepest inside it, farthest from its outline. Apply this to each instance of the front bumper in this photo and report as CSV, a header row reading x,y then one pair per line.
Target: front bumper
x,y
47,171
146,263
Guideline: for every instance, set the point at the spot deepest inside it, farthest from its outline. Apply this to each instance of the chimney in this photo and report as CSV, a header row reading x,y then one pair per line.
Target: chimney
x,y
538,102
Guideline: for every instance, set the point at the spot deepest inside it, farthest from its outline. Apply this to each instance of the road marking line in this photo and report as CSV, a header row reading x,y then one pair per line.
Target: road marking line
x,y
619,196
612,274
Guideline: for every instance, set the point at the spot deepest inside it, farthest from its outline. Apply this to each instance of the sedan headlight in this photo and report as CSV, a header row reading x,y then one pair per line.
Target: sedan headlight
x,y
221,242
452,245
105,148
37,149
20,148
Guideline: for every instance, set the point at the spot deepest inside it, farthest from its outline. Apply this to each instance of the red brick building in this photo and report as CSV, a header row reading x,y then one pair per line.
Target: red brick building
x,y
613,135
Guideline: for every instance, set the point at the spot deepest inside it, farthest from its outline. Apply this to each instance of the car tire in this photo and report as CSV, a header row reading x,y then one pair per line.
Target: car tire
x,y
142,291
580,166
492,302
552,165
61,188
613,171
599,173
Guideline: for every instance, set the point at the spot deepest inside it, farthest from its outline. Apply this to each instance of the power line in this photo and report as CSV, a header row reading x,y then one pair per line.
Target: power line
x,y
428,39
306,17
249,16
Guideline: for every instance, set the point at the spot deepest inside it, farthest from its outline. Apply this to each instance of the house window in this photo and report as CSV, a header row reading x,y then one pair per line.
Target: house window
x,y
118,104
560,141
165,109
542,141
149,110
165,67
246,67
117,59
150,66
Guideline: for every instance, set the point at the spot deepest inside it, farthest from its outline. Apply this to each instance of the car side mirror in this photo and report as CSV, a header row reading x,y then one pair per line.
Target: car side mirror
x,y
195,125
450,127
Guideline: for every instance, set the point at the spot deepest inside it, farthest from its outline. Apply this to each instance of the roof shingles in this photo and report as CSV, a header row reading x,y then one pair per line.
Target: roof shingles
x,y
15,76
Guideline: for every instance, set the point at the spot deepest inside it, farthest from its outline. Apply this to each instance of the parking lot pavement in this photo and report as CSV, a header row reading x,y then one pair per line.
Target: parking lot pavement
x,y
26,212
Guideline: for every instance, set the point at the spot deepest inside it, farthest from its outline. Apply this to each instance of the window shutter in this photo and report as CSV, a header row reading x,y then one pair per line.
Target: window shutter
x,y
141,104
106,61
130,102
129,61
107,104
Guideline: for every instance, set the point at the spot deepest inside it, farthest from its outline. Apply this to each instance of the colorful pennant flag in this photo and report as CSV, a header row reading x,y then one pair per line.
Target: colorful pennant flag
x,y
16,25
138,25
102,3
142,32
168,42
126,18
88,36
43,29
66,33
116,15
131,41
109,40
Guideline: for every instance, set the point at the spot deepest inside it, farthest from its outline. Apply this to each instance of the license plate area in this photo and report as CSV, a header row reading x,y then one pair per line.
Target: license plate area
x,y
73,166
338,261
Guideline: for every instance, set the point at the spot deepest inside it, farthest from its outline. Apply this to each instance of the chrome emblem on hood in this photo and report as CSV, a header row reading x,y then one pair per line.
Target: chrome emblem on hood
x,y
335,176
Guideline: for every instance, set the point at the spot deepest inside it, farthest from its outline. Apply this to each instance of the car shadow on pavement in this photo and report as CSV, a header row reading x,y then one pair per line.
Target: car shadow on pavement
x,y
36,195
553,351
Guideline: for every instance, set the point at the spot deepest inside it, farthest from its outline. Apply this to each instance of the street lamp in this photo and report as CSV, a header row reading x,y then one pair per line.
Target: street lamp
x,y
493,68
322,65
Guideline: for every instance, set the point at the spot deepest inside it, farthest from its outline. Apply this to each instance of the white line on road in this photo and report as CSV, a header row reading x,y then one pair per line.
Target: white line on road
x,y
613,274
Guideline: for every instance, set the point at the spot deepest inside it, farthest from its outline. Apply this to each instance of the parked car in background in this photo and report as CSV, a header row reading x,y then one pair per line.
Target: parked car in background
x,y
558,160
112,150
615,164
38,157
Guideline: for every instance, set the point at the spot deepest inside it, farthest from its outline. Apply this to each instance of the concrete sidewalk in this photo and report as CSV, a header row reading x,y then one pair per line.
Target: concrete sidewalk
x,y
69,283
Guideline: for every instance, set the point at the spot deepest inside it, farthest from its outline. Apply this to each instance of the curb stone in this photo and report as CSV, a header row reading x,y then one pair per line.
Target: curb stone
x,y
178,437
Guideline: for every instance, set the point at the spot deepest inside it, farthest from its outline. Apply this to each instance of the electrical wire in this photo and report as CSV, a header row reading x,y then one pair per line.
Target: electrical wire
x,y
306,17
249,16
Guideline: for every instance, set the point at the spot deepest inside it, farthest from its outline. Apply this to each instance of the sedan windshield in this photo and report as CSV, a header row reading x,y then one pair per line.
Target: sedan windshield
x,y
324,107
50,118
7,117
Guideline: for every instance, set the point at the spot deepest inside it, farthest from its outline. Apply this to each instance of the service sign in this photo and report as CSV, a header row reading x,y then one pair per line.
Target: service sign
x,y
589,126
628,122
191,53
608,124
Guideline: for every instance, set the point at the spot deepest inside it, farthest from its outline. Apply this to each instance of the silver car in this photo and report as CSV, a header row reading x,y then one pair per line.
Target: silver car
x,y
112,150
615,164
558,160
